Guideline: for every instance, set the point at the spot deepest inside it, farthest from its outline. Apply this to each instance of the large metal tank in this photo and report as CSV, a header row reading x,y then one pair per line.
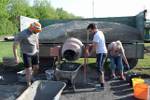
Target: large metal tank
x,y
72,49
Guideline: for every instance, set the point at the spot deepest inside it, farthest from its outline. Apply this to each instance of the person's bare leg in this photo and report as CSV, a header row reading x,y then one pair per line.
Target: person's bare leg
x,y
122,75
113,74
35,69
28,72
101,78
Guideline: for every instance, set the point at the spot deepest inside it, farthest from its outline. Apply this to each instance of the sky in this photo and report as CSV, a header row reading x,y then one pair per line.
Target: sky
x,y
102,8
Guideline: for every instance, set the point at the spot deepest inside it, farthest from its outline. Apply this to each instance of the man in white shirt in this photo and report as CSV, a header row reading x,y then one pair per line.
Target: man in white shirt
x,y
101,50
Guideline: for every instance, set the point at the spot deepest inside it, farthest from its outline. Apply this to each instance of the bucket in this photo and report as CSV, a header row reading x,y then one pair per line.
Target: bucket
x,y
137,81
141,91
49,74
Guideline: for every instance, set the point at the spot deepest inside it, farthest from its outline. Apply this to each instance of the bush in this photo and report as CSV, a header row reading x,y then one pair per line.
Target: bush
x,y
7,27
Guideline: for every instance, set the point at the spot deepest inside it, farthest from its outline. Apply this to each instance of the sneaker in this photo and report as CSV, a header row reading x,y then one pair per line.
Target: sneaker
x,y
114,77
123,78
29,84
98,87
102,85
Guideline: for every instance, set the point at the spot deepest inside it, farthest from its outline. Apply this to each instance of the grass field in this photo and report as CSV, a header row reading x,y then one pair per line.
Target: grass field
x,y
143,65
5,50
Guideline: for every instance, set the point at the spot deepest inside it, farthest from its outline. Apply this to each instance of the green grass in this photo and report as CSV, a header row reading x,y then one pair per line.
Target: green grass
x,y
144,62
143,65
146,44
6,50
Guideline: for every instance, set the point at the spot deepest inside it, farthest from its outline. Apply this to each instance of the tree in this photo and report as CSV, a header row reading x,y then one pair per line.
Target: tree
x,y
44,10
6,26
3,12
63,14
19,7
10,10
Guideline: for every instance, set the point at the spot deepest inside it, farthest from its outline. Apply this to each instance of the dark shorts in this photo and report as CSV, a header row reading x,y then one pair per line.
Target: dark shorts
x,y
30,60
100,60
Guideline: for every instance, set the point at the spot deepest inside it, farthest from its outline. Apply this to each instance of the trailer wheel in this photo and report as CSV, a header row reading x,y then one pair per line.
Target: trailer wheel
x,y
132,62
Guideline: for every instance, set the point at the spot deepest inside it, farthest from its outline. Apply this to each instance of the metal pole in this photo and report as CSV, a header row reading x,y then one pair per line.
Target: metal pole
x,y
93,8
86,58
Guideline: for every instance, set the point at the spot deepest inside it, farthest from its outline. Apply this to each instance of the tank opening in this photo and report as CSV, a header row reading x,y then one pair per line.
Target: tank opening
x,y
70,55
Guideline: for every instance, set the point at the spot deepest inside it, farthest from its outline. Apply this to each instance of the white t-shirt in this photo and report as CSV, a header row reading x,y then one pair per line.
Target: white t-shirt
x,y
117,51
100,40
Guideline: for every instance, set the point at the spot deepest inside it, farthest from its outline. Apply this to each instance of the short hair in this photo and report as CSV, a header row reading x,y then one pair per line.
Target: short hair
x,y
92,26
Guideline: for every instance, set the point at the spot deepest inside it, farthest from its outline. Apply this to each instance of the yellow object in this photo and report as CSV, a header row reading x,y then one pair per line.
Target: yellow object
x,y
137,81
141,91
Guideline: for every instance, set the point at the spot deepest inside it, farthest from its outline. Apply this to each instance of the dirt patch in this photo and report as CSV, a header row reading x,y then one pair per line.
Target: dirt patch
x,y
66,66
147,49
114,89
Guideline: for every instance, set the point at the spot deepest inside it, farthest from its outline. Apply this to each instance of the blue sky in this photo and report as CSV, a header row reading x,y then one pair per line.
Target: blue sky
x,y
102,8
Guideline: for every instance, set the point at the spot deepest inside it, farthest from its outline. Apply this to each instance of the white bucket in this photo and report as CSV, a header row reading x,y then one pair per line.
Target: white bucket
x,y
49,74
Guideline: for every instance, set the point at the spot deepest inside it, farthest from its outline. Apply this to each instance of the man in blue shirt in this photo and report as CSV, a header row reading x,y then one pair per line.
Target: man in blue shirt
x,y
29,45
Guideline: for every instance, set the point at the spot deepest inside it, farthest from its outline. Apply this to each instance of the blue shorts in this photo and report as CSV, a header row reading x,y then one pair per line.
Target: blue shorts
x,y
116,62
30,60
100,60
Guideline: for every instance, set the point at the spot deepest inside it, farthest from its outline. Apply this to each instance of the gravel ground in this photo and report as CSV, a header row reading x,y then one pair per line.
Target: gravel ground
x,y
10,88
114,89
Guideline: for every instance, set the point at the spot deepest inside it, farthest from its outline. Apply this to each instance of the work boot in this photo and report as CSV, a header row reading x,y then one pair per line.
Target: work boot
x,y
29,84
99,87
114,77
102,85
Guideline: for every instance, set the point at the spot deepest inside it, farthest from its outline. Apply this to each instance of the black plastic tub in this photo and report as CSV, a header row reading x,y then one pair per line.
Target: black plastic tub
x,y
67,71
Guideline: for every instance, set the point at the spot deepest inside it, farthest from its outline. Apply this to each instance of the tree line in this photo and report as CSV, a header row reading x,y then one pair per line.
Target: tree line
x,y
41,9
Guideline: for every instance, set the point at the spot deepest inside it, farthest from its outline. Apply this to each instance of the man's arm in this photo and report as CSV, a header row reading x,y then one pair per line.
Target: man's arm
x,y
94,45
125,59
37,42
15,45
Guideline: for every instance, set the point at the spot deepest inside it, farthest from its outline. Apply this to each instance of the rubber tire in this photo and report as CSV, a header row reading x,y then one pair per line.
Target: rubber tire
x,y
132,62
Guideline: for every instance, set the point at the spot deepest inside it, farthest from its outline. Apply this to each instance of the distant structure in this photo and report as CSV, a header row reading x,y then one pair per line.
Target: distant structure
x,y
147,30
93,8
147,27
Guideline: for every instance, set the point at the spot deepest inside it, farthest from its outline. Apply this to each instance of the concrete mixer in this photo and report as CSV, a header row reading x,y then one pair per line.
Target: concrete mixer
x,y
72,49
67,70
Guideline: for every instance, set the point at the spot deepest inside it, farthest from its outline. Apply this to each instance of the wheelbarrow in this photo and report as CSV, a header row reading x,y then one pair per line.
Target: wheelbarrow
x,y
43,90
67,71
